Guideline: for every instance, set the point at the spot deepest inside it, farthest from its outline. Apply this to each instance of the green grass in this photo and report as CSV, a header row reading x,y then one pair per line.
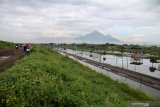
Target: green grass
x,y
45,78
4,44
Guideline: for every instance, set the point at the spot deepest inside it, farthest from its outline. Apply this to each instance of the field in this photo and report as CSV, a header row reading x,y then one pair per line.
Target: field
x,y
4,44
8,54
44,78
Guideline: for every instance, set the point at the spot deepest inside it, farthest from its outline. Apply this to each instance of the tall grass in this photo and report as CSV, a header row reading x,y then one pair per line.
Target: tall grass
x,y
45,78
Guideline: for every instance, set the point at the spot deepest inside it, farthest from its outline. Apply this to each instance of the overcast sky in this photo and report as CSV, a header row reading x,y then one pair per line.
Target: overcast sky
x,y
128,20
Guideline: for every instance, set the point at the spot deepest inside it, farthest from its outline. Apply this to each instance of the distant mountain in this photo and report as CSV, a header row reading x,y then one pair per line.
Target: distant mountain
x,y
97,37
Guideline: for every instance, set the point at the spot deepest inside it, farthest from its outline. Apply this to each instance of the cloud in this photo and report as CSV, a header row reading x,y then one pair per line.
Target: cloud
x,y
44,18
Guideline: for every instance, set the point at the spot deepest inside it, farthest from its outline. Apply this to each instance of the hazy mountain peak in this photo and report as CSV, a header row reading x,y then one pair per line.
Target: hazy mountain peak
x,y
93,37
95,33
97,37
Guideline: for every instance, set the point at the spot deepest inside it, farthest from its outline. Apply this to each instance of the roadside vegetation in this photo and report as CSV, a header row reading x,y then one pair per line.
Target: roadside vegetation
x,y
4,44
44,78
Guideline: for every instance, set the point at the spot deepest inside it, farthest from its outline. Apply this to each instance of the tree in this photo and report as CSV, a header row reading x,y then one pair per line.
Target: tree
x,y
121,49
153,60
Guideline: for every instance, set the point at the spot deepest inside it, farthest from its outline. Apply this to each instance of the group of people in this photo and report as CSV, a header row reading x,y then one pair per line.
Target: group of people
x,y
26,48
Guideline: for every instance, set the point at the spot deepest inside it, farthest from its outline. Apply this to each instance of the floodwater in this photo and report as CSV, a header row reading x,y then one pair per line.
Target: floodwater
x,y
136,85
121,62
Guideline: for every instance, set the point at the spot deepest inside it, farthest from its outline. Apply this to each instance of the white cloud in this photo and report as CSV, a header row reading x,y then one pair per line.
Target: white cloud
x,y
45,18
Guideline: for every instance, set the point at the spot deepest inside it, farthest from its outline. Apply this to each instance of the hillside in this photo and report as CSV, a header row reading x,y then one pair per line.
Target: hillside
x,y
45,78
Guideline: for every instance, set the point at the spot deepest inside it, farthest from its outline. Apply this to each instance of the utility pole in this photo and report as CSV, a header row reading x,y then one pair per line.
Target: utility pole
x,y
127,62
122,50
122,61
116,59
99,54
135,67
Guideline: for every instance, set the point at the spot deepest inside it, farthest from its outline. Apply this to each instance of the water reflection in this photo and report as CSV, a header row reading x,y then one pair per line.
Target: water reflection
x,y
119,61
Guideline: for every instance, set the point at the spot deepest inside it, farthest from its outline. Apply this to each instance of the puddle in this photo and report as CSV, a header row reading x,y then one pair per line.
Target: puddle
x,y
4,57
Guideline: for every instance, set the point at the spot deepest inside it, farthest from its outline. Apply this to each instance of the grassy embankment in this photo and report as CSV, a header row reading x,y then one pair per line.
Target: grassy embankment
x,y
4,44
46,78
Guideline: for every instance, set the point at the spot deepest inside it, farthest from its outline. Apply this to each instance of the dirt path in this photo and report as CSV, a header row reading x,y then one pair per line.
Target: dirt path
x,y
9,56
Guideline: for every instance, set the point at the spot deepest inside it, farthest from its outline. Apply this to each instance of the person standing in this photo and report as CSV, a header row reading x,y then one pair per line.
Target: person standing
x,y
16,46
28,48
25,50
